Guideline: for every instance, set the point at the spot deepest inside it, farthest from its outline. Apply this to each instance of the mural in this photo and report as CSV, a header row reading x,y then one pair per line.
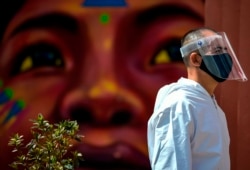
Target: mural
x,y
98,62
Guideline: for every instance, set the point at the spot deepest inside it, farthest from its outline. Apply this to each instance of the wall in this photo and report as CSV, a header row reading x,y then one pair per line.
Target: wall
x,y
233,17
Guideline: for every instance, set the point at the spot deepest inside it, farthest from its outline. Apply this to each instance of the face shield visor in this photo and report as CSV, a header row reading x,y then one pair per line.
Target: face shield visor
x,y
218,57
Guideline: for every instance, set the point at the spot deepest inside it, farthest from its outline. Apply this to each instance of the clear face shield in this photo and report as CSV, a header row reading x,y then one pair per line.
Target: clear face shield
x,y
218,57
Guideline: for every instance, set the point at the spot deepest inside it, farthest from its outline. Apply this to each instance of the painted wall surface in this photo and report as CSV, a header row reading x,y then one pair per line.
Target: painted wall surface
x,y
233,17
100,64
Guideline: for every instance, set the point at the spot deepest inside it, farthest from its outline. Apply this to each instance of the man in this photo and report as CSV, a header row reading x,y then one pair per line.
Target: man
x,y
73,59
188,129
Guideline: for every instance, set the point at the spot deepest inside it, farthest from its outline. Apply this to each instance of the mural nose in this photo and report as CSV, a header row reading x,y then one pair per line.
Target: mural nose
x,y
99,115
105,104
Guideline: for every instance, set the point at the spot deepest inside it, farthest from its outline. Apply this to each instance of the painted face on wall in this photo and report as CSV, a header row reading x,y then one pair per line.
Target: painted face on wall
x,y
101,66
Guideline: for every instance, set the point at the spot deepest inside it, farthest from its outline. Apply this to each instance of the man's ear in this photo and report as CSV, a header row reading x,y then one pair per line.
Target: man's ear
x,y
195,59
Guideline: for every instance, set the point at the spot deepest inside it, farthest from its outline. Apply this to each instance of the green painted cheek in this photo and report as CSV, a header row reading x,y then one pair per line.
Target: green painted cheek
x,y
5,95
9,108
13,109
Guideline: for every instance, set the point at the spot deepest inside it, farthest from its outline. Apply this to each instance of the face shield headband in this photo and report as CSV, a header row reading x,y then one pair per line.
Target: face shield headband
x,y
218,57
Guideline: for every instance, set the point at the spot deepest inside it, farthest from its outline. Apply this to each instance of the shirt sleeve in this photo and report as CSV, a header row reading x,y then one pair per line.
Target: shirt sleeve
x,y
173,130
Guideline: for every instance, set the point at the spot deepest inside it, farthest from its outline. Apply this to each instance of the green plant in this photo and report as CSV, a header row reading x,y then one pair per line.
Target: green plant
x,y
48,148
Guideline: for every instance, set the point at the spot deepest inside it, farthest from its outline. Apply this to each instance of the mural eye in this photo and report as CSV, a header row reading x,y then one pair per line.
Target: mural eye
x,y
167,53
35,56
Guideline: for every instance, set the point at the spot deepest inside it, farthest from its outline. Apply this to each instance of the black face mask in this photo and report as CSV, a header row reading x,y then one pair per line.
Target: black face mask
x,y
217,66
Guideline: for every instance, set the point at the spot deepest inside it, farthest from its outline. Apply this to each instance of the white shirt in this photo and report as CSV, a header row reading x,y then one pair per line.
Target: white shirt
x,y
188,130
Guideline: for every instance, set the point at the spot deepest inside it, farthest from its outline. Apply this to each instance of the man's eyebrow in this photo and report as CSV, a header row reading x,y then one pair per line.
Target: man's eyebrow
x,y
58,20
150,15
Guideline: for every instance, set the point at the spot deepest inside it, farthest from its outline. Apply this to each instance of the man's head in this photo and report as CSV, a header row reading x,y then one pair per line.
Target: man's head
x,y
216,56
192,36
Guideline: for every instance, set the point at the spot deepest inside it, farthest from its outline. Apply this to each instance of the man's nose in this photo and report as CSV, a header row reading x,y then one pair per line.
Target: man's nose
x,y
104,104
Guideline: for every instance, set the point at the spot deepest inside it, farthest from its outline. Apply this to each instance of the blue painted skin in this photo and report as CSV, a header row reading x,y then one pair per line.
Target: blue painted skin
x,y
104,3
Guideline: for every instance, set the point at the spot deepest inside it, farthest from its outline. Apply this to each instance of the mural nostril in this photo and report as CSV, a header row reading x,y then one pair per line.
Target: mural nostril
x,y
81,115
121,117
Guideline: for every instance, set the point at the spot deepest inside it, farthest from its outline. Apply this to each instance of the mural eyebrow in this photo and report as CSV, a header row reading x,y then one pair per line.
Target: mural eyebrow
x,y
150,15
58,20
